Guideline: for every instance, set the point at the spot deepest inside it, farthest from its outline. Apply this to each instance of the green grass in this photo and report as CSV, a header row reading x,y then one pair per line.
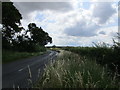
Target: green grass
x,y
73,71
103,55
10,56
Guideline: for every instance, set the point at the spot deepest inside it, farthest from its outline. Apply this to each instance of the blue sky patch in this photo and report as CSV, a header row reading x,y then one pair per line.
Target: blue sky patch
x,y
40,17
86,5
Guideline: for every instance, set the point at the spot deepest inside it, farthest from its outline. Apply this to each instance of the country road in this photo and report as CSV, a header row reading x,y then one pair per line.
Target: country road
x,y
18,73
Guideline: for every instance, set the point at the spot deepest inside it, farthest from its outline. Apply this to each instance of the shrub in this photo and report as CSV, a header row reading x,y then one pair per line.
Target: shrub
x,y
102,53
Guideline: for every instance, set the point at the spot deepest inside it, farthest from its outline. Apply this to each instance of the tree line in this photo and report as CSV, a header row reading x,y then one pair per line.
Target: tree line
x,y
12,37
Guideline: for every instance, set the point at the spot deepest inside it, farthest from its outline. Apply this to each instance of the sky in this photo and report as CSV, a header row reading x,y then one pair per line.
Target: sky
x,y
73,23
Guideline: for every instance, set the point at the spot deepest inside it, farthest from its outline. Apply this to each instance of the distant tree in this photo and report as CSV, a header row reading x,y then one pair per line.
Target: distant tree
x,y
11,22
53,46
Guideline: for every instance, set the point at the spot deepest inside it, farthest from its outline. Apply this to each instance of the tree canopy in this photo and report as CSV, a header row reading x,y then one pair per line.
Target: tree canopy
x,y
38,36
12,38
10,21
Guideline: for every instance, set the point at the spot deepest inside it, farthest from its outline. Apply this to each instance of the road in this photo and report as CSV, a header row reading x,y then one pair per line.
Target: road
x,y
21,73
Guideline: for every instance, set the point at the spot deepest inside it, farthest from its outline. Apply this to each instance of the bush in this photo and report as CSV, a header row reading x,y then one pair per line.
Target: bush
x,y
103,54
28,47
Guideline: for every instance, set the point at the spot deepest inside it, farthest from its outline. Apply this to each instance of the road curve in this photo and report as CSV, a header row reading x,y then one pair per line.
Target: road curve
x,y
19,73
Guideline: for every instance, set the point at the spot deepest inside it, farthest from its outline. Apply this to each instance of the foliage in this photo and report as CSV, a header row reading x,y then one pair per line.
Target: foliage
x,y
38,36
11,22
34,39
104,55
73,71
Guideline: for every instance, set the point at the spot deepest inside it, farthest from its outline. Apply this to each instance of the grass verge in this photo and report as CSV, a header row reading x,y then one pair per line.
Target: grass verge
x,y
10,56
72,71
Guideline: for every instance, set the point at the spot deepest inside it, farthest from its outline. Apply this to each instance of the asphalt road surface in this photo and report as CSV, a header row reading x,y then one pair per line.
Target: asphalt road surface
x,y
21,73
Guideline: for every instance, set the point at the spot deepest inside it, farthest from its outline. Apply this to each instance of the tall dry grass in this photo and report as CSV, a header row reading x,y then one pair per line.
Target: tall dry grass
x,y
73,71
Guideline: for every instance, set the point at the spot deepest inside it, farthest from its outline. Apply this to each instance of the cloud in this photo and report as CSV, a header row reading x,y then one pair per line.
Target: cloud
x,y
103,11
26,8
109,31
82,29
68,24
102,32
90,23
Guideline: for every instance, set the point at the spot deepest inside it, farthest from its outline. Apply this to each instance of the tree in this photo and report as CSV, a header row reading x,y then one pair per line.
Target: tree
x,y
38,36
36,40
11,23
53,46
12,26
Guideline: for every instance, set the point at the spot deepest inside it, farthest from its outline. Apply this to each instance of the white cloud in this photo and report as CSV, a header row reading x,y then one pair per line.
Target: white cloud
x,y
103,11
110,33
82,29
28,7
70,26
104,0
102,32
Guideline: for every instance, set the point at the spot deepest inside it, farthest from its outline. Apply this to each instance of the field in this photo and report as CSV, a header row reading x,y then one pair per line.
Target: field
x,y
71,70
